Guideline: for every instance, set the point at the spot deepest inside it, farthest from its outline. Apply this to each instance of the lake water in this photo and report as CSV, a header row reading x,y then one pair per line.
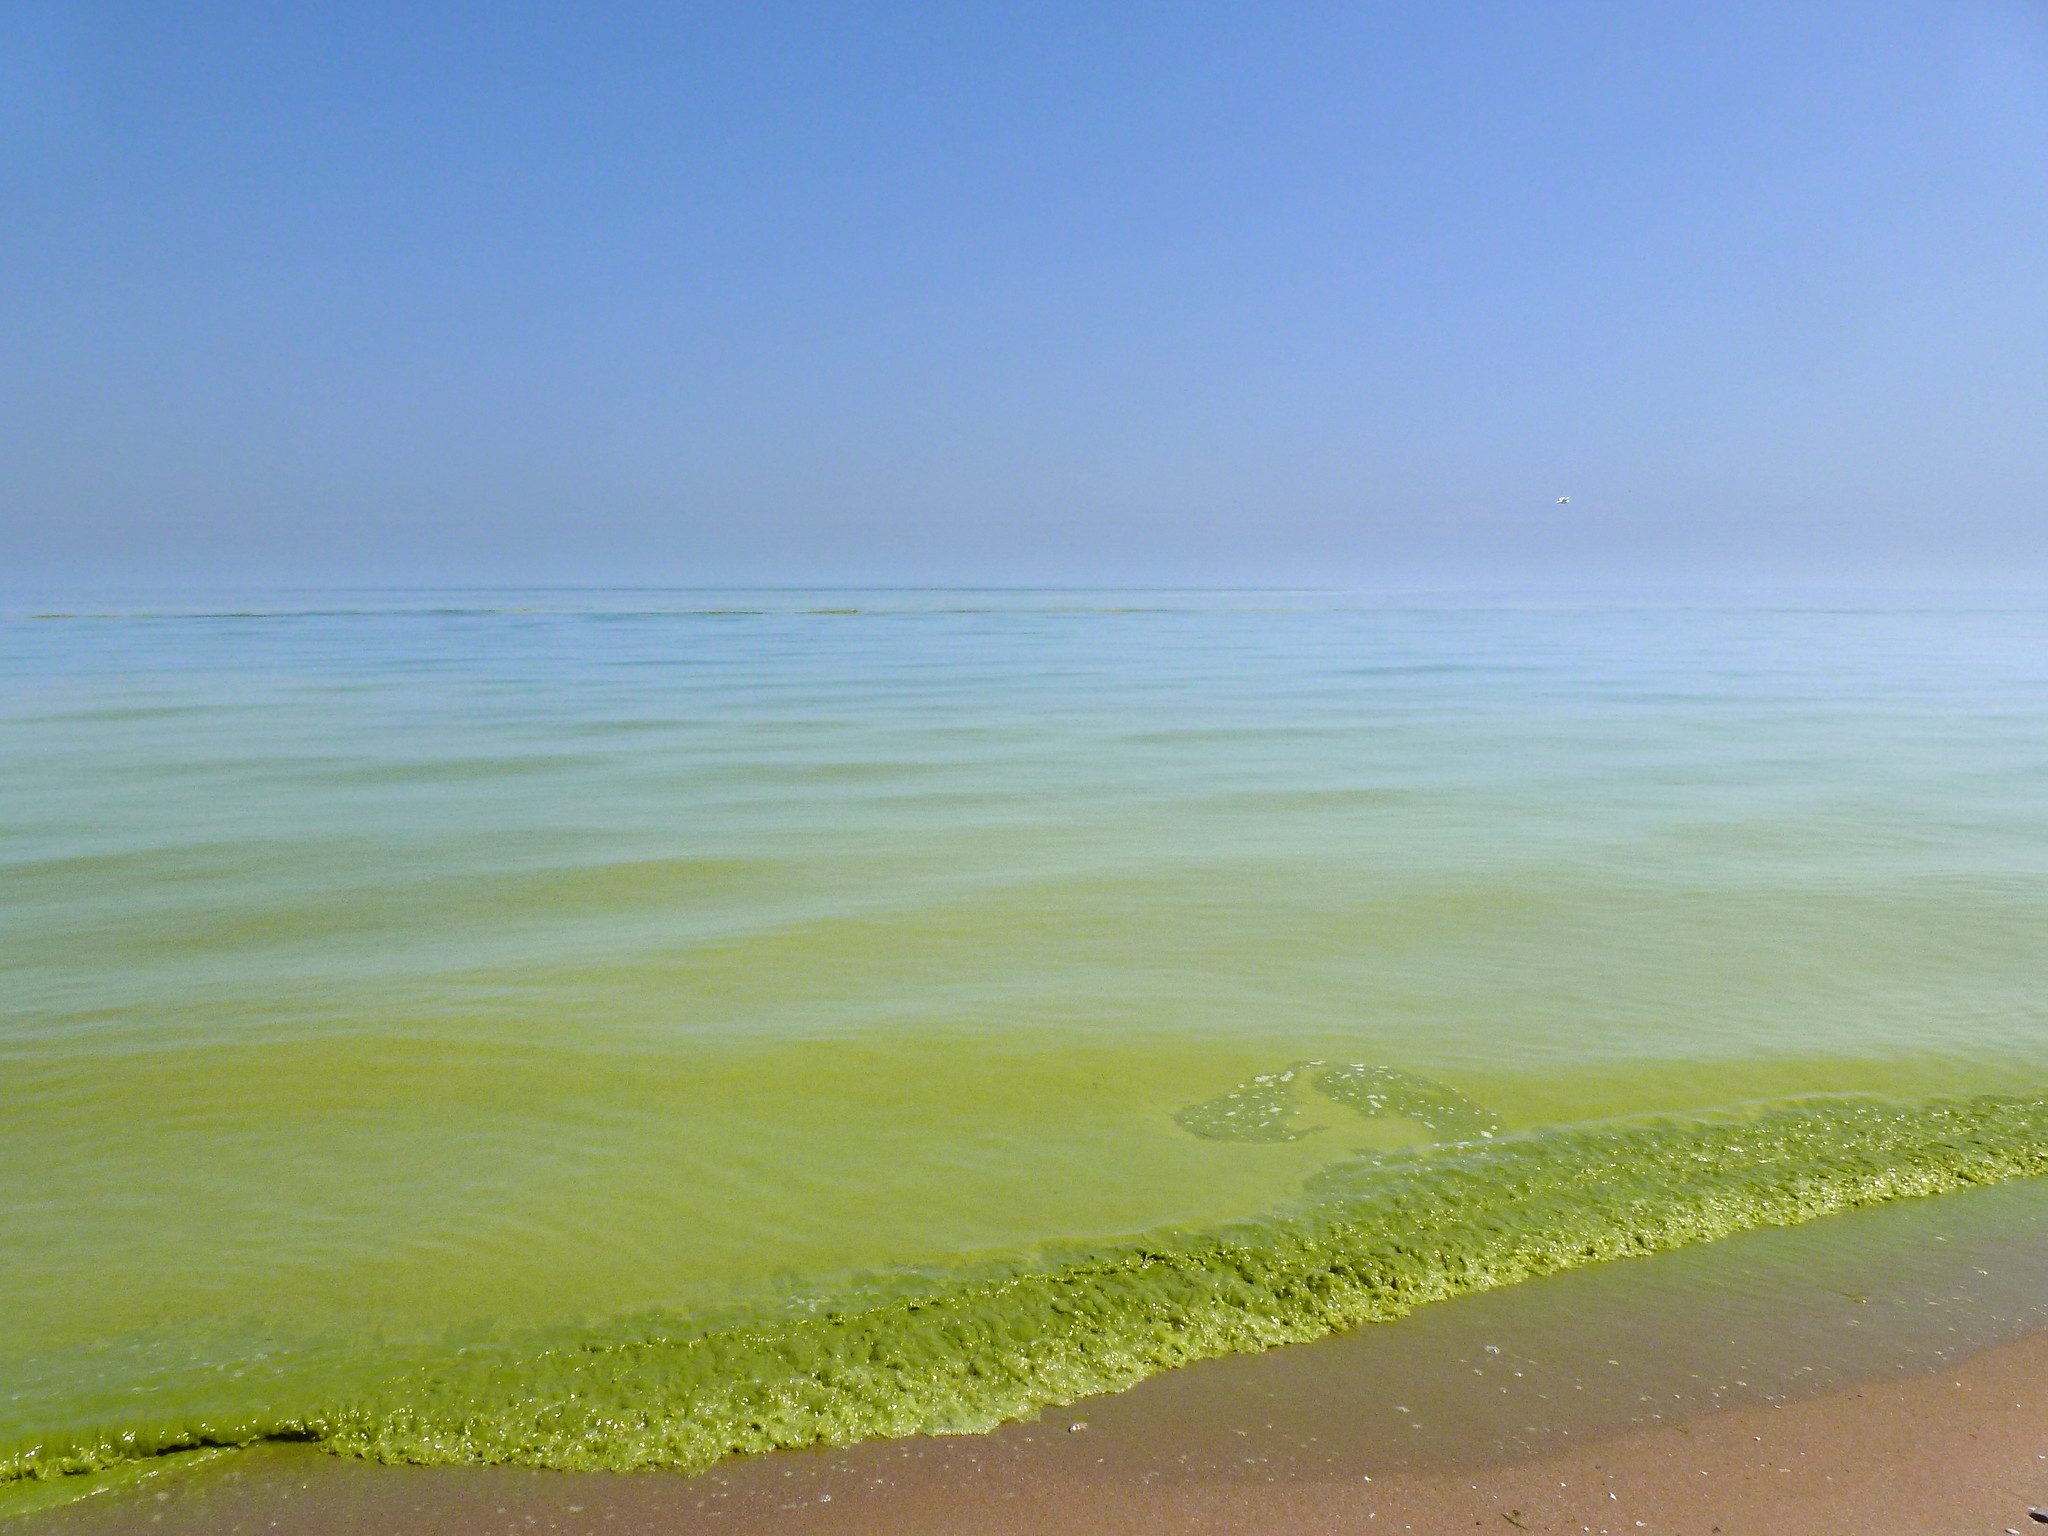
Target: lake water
x,y
609,1029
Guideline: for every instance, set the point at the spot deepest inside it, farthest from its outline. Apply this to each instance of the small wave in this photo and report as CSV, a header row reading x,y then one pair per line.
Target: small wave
x,y
1372,1239
457,770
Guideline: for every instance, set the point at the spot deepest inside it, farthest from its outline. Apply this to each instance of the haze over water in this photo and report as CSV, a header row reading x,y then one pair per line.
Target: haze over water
x,y
393,979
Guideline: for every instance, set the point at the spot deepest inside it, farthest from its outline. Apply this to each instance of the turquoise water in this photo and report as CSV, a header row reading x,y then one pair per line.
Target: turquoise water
x,y
620,1028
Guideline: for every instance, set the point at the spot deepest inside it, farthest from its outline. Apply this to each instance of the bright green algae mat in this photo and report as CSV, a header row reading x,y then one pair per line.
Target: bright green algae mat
x,y
1378,1238
608,1030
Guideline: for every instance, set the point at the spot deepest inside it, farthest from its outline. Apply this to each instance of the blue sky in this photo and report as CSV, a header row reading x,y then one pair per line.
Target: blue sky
x,y
1105,292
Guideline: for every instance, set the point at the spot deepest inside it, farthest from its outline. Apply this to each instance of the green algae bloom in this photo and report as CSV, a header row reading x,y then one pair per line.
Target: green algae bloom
x,y
633,1029
1375,1238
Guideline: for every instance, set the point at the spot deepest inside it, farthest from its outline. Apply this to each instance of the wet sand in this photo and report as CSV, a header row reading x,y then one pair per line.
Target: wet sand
x,y
1880,1372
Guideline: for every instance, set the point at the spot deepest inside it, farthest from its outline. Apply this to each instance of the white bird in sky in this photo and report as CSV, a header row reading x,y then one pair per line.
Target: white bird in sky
x,y
1564,501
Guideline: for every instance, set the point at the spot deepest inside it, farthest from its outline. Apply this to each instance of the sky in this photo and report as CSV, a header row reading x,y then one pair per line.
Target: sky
x,y
1103,293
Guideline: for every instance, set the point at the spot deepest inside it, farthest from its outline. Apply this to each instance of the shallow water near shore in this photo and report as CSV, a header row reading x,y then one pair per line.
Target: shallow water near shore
x,y
616,1029
1469,1393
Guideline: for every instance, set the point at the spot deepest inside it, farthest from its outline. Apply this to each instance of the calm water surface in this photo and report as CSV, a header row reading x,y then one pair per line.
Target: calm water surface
x,y
540,978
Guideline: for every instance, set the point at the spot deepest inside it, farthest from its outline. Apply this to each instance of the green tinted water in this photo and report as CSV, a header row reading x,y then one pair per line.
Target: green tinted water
x,y
599,1030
